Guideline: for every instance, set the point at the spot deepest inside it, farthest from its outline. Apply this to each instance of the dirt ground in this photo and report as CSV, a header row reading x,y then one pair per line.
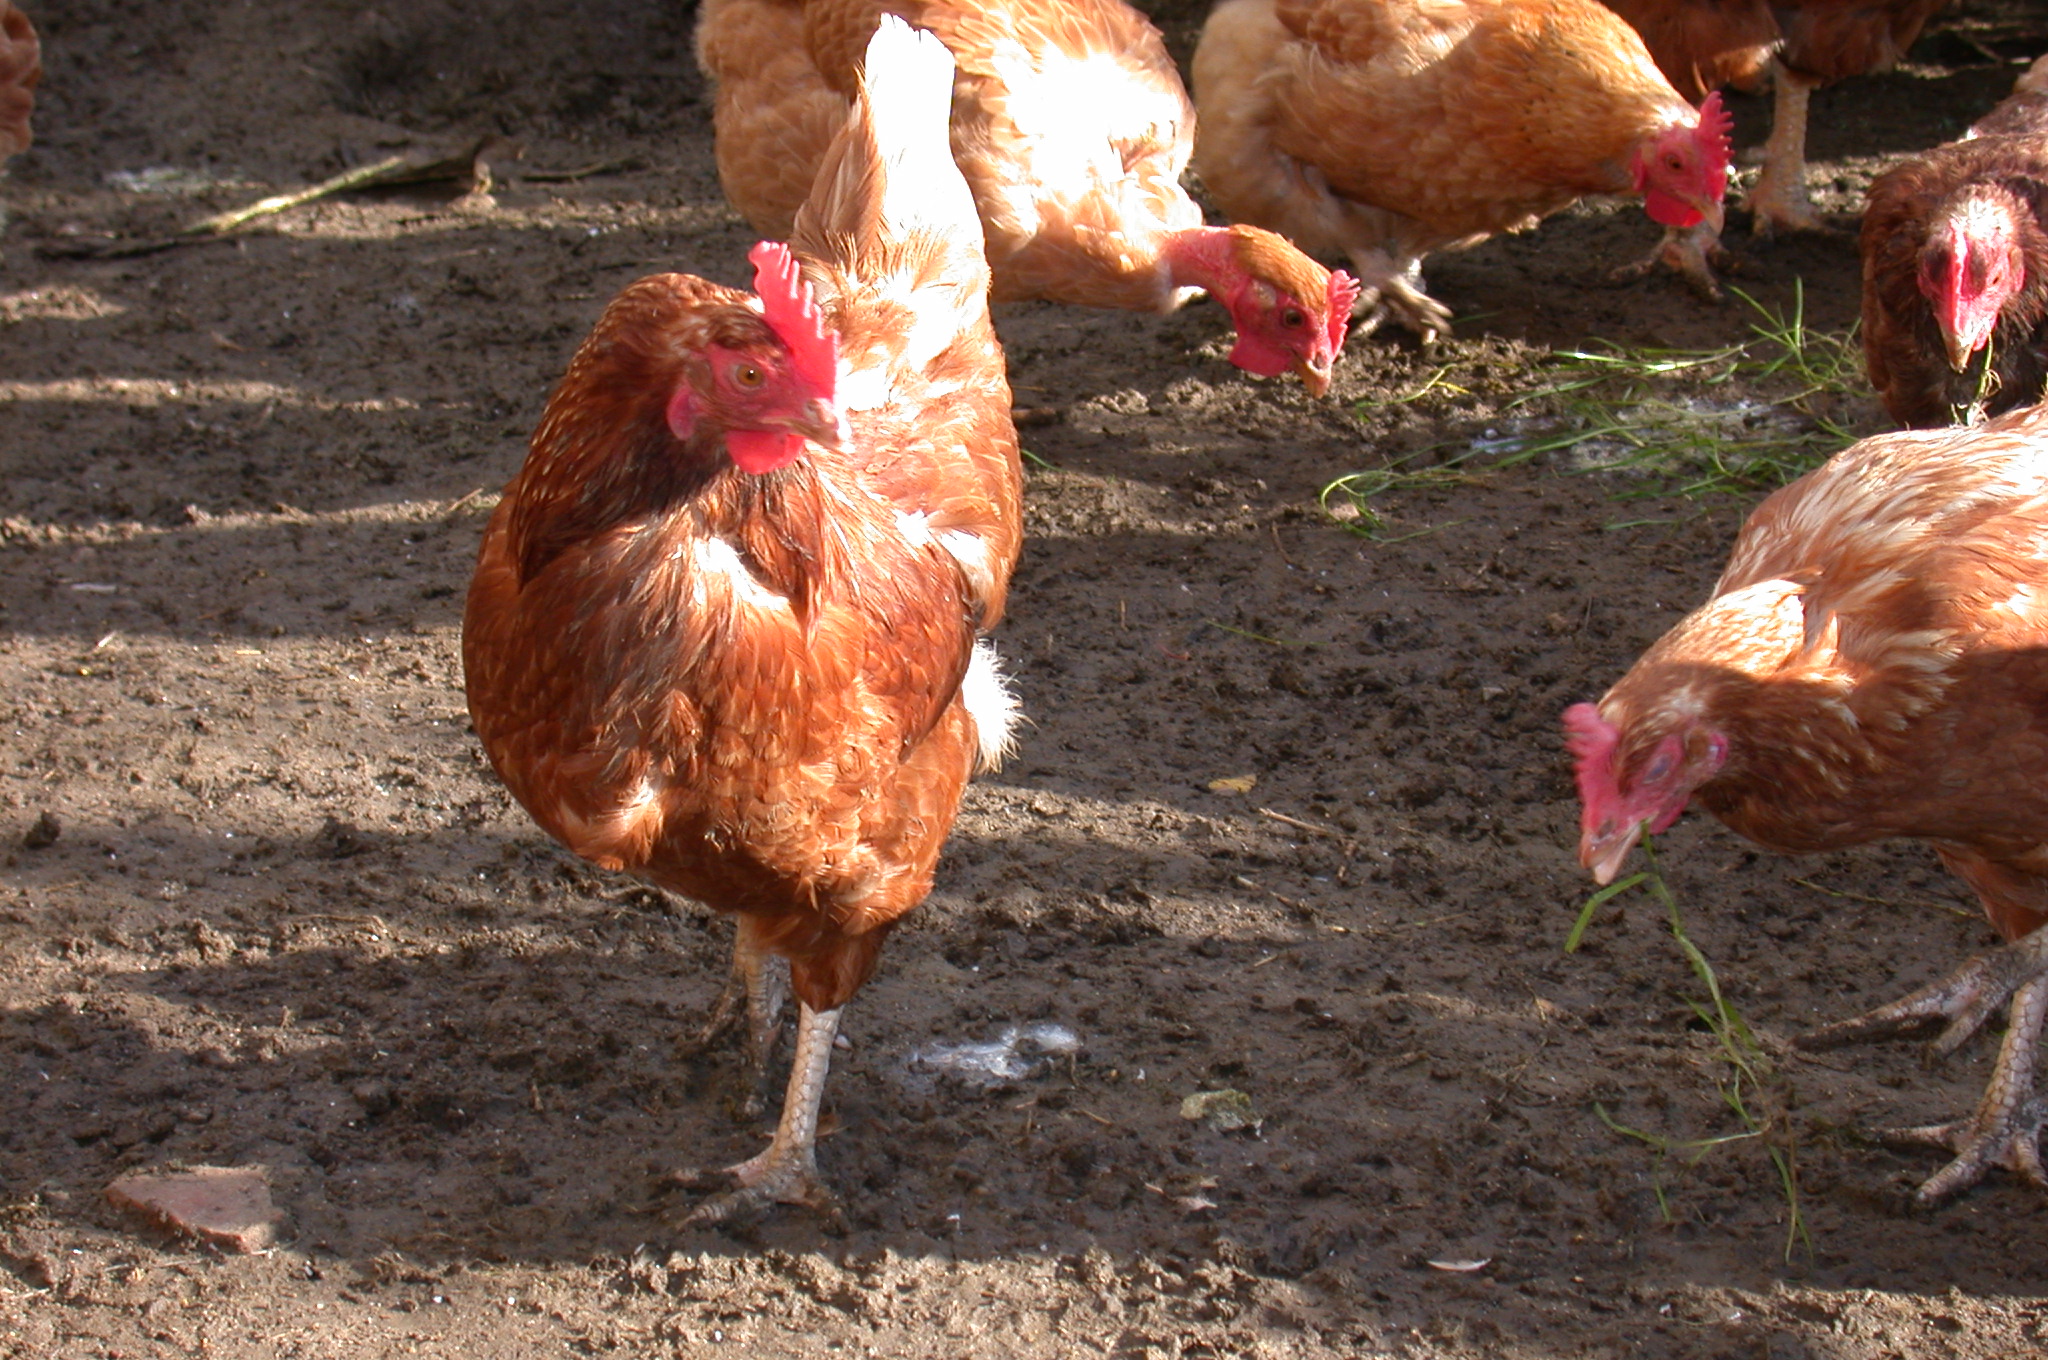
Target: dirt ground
x,y
289,921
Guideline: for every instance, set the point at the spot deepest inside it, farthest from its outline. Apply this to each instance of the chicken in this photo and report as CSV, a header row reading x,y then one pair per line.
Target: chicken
x,y
1955,269
21,67
1873,663
1701,45
2023,113
1386,129
1072,127
725,628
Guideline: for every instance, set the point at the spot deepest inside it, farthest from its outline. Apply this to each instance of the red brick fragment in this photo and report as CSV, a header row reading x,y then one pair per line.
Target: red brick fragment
x,y
229,1206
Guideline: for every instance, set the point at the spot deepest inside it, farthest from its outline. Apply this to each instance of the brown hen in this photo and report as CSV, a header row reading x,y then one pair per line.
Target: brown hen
x,y
1873,663
724,627
1387,129
21,67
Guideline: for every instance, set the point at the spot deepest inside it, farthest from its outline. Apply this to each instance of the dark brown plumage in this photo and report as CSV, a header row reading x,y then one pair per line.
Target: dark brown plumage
x,y
2024,112
763,688
1986,200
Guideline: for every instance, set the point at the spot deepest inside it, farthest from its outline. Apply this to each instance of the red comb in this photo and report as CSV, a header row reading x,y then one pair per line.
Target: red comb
x,y
1588,735
1591,739
792,313
1717,129
1343,292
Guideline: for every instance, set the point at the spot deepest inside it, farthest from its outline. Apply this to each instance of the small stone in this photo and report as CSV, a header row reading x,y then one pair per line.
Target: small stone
x,y
229,1206
44,833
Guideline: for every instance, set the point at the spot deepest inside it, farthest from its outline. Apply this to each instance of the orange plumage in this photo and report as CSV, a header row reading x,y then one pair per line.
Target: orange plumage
x,y
1873,663
763,688
1388,129
1072,128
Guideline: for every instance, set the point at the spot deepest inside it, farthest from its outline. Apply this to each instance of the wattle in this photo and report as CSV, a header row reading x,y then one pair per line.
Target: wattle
x,y
1261,358
759,451
1668,210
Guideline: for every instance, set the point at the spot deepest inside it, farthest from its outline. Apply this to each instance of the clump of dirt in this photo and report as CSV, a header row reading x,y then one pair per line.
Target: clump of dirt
x,y
1291,819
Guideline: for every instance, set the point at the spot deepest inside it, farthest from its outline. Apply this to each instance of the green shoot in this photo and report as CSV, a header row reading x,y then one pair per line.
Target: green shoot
x,y
1741,419
1754,1092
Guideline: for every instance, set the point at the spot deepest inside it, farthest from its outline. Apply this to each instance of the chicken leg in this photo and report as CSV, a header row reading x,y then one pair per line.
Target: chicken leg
x,y
786,1172
1778,201
2005,1128
761,980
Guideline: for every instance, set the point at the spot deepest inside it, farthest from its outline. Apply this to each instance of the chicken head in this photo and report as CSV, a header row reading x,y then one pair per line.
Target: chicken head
x,y
1627,786
1290,313
1969,268
772,392
1682,171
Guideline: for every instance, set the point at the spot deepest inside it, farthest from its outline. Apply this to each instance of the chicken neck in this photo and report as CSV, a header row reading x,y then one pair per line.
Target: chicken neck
x,y
1199,259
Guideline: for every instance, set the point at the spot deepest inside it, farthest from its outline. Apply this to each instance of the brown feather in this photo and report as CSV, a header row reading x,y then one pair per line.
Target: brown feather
x,y
748,689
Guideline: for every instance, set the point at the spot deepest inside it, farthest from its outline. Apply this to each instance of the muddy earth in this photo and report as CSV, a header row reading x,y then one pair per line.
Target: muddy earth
x,y
1291,819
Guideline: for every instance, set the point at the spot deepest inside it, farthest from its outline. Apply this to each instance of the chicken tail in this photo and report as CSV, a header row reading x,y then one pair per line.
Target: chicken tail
x,y
889,175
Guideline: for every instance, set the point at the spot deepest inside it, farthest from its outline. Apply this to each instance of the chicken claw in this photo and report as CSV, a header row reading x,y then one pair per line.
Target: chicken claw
x,y
2005,1128
1393,291
1693,252
2009,1138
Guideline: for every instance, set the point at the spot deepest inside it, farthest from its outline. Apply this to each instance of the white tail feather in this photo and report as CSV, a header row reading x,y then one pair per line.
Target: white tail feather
x,y
907,86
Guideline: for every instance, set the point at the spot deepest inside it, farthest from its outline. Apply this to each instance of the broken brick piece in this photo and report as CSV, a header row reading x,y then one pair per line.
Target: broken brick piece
x,y
228,1206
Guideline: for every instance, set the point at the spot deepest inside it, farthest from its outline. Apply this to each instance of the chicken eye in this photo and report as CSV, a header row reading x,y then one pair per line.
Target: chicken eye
x,y
1659,768
1674,162
1293,319
748,375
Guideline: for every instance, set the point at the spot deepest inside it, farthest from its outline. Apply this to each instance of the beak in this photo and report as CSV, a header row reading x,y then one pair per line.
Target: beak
x,y
1961,348
1711,210
824,425
1604,850
1315,373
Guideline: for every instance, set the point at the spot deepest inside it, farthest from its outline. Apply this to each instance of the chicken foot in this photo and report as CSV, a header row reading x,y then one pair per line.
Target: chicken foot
x,y
1388,288
2004,1130
786,1171
761,980
1693,252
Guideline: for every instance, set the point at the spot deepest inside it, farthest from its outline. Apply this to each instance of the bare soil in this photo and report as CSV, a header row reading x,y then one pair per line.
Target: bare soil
x,y
289,920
